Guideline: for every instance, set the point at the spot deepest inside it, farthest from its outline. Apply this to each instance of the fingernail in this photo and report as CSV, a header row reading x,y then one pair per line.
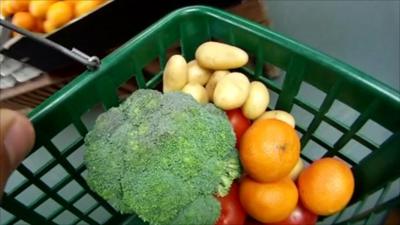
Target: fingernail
x,y
18,140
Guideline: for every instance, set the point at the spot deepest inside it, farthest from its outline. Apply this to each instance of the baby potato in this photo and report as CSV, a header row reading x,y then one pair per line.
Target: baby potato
x,y
212,82
231,91
220,56
257,101
197,91
198,74
175,74
280,115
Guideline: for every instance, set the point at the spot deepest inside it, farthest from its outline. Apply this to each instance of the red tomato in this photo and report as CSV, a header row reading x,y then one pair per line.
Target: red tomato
x,y
232,212
239,123
299,216
252,221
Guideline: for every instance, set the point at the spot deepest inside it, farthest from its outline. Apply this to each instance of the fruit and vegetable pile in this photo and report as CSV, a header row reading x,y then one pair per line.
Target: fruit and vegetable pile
x,y
209,151
45,16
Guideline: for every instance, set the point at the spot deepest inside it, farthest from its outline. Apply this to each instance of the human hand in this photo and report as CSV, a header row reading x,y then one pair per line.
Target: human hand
x,y
17,137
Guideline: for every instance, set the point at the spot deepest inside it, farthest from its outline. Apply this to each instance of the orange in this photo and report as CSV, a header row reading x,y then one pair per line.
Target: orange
x,y
269,150
84,7
326,186
20,5
39,26
60,13
38,8
268,202
24,20
48,26
6,8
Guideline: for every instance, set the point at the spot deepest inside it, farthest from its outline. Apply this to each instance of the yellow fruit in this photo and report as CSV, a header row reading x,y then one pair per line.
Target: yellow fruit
x,y
24,20
48,26
84,7
38,8
5,8
60,13
294,174
20,5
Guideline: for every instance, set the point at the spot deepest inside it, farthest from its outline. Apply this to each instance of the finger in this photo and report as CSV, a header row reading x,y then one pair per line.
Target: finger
x,y
16,140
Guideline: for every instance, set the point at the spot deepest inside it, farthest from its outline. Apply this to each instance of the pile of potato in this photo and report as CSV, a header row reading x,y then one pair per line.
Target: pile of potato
x,y
208,79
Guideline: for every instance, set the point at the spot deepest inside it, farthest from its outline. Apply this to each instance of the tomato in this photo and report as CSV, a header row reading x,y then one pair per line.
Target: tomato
x,y
232,212
239,123
299,216
252,221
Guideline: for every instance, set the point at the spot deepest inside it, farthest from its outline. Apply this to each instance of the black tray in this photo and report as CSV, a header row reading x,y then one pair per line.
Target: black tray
x,y
98,32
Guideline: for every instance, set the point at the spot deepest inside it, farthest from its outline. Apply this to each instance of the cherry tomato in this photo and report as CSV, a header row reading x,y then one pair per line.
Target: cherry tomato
x,y
239,123
299,216
232,212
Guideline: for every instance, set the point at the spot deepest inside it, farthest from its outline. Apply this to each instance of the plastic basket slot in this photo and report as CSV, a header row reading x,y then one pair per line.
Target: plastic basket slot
x,y
343,113
22,222
38,160
374,132
60,185
302,117
392,190
54,176
314,96
127,88
44,169
100,215
313,151
326,104
355,151
360,121
70,190
337,124
30,195
66,137
60,210
327,133
376,218
43,186
89,117
152,68
15,181
76,157
85,203
5,216
346,213
272,85
80,222
65,217
316,140
154,82
21,212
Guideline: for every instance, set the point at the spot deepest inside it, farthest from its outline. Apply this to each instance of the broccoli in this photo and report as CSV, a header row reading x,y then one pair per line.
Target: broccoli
x,y
163,157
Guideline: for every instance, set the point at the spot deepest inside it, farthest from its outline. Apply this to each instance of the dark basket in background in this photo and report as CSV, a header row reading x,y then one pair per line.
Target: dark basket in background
x,y
375,161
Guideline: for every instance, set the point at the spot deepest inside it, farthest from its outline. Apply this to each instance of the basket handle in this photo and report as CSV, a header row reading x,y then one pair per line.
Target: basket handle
x,y
91,62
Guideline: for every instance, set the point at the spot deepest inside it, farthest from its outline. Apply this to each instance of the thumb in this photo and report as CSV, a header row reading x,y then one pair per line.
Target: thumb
x,y
17,137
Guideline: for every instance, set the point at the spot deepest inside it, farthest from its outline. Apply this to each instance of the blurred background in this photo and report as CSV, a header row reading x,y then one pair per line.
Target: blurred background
x,y
364,34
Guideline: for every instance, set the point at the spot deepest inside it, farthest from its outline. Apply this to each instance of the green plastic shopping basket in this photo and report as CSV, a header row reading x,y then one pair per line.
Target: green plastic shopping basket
x,y
316,88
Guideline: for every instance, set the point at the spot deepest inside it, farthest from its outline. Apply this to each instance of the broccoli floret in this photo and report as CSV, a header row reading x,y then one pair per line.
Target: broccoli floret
x,y
162,157
198,212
